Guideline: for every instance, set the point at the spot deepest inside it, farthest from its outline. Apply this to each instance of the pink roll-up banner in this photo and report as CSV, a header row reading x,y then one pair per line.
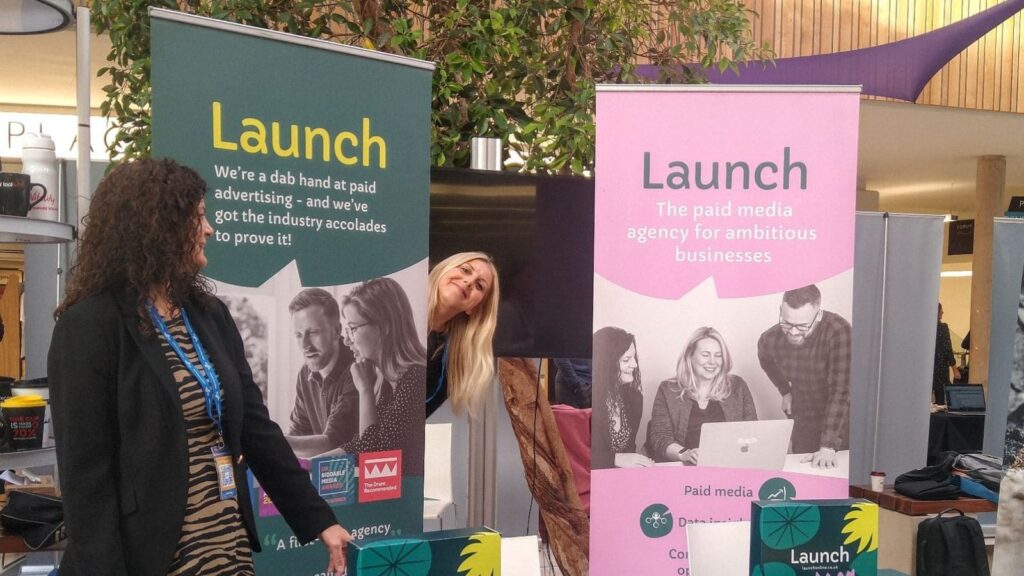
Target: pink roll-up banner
x,y
723,284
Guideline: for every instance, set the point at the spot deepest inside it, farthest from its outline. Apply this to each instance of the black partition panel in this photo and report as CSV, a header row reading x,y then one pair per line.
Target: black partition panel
x,y
540,231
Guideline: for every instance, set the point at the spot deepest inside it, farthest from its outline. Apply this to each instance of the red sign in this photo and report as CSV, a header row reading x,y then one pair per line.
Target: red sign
x,y
380,475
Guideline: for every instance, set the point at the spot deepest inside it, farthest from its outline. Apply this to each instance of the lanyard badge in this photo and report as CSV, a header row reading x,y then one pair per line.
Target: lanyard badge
x,y
210,385
225,473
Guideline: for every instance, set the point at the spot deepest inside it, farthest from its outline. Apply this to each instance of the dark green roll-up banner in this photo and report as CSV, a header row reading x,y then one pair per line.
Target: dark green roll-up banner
x,y
316,158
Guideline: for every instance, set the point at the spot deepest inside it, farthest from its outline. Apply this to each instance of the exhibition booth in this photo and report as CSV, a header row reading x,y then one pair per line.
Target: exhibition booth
x,y
760,352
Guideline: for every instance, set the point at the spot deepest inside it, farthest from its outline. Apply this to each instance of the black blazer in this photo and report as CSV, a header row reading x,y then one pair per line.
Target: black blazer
x,y
121,444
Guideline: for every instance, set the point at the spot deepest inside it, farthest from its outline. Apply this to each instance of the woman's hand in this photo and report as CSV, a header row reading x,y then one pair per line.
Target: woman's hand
x,y
364,376
336,539
688,457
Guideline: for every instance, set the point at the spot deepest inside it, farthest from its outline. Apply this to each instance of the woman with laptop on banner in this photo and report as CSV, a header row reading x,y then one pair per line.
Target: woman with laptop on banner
x,y
711,228
702,391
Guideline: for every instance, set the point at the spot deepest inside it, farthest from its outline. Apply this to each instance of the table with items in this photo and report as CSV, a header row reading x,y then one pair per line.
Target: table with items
x,y
898,517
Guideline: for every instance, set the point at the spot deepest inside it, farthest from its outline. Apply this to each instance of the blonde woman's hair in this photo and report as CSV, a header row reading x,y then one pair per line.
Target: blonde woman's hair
x,y
721,388
470,354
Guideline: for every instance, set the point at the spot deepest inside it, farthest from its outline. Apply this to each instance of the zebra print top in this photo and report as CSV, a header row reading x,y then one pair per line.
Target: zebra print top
x,y
213,539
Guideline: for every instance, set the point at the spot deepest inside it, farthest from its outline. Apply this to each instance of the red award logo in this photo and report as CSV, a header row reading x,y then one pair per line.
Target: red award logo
x,y
380,476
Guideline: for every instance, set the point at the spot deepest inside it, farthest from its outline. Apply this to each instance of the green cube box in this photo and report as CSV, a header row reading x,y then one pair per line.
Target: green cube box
x,y
814,538
461,552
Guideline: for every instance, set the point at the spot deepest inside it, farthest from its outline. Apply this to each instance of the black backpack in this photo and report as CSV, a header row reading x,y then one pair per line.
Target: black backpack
x,y
931,482
38,518
951,546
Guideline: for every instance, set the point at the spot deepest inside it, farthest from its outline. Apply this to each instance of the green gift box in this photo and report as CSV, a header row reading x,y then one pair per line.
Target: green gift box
x,y
461,552
814,538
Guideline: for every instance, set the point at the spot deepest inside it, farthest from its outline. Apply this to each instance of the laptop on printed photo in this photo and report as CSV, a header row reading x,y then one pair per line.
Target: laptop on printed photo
x,y
757,444
965,399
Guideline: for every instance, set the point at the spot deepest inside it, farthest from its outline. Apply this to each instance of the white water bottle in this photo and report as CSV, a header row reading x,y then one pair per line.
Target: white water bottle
x,y
40,162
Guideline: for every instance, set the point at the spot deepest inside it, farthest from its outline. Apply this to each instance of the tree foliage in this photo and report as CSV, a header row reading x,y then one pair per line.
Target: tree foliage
x,y
524,71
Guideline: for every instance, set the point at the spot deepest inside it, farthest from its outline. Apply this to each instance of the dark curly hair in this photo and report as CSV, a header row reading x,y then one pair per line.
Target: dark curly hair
x,y
140,232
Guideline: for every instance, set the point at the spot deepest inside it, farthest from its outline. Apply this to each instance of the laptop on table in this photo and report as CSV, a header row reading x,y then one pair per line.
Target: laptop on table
x,y
757,444
965,399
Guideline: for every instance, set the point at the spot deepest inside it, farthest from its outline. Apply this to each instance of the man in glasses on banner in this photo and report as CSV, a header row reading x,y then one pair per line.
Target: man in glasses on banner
x,y
326,411
807,357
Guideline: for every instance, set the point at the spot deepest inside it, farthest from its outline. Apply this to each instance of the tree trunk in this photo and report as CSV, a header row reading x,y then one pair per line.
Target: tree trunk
x,y
548,473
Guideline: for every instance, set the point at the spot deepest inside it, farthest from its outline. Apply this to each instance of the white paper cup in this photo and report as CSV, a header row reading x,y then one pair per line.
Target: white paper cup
x,y
877,481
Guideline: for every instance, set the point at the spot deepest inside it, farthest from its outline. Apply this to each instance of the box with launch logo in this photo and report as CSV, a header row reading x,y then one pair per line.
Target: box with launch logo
x,y
814,538
459,552
380,476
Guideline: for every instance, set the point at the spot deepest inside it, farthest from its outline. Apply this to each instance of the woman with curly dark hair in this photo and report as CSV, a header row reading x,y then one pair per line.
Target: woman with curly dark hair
x,y
618,401
156,414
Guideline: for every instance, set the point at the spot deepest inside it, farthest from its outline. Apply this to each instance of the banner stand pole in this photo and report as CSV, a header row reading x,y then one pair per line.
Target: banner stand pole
x,y
881,339
83,103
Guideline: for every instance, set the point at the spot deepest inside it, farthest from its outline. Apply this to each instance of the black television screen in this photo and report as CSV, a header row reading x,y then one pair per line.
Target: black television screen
x,y
961,237
540,231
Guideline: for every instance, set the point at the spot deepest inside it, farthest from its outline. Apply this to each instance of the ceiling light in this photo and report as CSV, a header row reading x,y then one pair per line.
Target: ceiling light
x,y
34,16
956,274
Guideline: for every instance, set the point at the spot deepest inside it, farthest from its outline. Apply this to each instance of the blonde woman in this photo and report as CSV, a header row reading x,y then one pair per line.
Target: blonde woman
x,y
702,391
462,310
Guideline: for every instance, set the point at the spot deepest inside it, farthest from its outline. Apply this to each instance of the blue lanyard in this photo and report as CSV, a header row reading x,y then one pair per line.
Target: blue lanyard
x,y
208,382
444,369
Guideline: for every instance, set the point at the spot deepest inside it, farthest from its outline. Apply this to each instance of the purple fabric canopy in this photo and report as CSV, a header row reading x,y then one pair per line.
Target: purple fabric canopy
x,y
897,70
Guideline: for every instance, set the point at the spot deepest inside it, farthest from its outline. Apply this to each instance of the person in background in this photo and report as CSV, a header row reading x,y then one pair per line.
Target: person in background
x,y
618,400
462,312
573,382
965,364
944,360
389,371
807,356
157,418
703,390
326,411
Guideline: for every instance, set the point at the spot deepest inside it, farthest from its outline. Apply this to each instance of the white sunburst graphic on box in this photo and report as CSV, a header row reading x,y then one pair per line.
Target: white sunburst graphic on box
x,y
380,468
